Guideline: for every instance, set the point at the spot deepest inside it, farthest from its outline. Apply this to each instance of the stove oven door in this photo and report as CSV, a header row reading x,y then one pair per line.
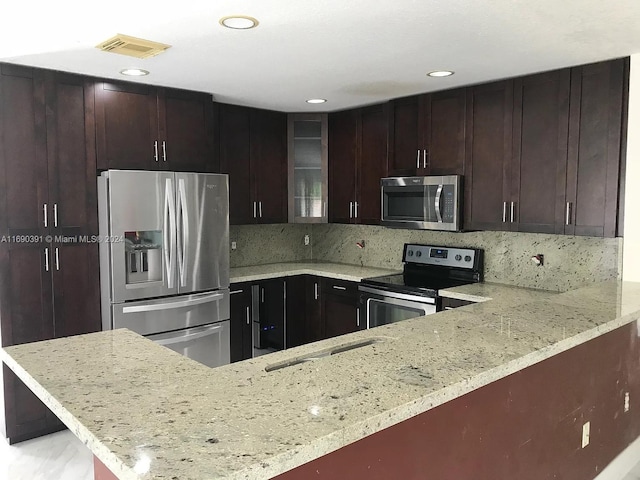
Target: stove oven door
x,y
381,307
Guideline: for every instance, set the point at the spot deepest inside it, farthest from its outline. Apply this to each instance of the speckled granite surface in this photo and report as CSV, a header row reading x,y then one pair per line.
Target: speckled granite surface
x,y
321,269
149,413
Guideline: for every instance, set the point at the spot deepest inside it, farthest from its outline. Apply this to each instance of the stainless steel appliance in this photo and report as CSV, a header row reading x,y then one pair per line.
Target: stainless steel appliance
x,y
164,259
414,292
428,203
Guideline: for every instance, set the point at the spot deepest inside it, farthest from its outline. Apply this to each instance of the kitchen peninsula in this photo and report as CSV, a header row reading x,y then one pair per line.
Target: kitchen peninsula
x,y
481,390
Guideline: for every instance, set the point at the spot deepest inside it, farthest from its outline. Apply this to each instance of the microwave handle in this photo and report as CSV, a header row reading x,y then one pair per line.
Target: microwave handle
x,y
437,203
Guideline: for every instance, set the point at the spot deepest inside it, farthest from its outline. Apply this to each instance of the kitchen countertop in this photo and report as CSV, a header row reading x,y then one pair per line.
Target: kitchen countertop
x,y
142,408
340,271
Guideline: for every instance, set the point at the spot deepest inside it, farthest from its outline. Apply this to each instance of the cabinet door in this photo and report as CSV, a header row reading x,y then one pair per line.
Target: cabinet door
x,y
269,164
540,133
445,131
296,289
272,312
127,127
71,155
24,203
241,340
595,129
186,130
313,294
76,289
488,156
235,157
406,142
339,307
343,141
372,164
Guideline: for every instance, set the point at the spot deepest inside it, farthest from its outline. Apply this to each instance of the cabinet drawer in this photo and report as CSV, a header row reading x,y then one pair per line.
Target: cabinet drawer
x,y
339,287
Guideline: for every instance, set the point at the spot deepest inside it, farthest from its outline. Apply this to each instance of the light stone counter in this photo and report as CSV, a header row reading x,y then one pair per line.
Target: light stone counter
x,y
340,271
142,408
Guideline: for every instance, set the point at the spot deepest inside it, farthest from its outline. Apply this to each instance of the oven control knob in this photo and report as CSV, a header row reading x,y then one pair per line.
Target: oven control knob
x,y
418,253
410,253
458,257
467,258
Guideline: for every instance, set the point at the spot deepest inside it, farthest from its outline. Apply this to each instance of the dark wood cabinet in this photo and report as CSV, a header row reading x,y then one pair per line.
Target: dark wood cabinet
x,y
148,128
253,152
598,94
304,310
427,134
357,162
48,287
488,156
539,162
339,307
241,322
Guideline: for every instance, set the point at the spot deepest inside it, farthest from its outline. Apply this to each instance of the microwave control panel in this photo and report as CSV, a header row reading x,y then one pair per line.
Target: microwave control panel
x,y
449,209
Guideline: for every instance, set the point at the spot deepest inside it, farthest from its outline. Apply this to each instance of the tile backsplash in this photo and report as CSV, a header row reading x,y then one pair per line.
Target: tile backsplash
x,y
569,261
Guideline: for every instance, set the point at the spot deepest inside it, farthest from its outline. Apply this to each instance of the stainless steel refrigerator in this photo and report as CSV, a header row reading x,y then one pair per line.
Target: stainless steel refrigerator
x,y
164,259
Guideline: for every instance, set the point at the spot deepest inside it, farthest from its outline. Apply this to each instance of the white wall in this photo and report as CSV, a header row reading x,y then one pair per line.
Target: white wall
x,y
631,246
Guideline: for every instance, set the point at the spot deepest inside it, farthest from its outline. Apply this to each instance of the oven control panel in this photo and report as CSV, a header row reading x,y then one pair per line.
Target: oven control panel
x,y
445,256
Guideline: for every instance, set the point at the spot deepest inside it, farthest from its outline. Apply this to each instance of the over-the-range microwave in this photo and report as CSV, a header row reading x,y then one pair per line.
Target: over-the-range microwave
x,y
428,203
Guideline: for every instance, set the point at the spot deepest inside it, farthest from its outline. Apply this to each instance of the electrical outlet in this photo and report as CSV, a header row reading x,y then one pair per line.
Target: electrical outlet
x,y
306,240
586,428
626,401
234,245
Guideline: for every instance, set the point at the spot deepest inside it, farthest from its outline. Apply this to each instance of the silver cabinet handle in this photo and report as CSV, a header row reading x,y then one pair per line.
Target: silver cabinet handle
x,y
262,289
350,209
46,220
356,209
357,317
418,160
46,259
155,150
164,151
567,219
235,291
248,317
55,214
424,158
448,308
57,258
504,212
260,208
324,209
513,212
338,287
255,206
315,287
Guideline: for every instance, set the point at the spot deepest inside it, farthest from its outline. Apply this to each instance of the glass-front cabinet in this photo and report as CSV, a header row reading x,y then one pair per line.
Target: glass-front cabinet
x,y
308,172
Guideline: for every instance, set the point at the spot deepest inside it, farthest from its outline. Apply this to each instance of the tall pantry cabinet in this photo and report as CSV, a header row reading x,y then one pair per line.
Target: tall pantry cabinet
x,y
48,287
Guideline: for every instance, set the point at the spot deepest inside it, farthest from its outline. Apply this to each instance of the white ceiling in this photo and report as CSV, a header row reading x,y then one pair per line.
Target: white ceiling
x,y
351,52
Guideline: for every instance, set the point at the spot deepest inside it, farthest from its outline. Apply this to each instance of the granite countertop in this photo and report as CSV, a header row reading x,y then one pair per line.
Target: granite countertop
x,y
149,413
340,271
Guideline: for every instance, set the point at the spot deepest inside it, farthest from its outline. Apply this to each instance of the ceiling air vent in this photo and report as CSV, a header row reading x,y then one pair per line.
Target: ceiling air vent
x,y
131,46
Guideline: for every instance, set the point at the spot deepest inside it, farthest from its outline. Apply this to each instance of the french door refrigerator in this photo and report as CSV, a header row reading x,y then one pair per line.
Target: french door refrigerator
x,y
164,259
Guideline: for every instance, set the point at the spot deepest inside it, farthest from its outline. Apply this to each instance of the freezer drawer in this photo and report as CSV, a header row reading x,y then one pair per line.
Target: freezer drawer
x,y
149,317
209,345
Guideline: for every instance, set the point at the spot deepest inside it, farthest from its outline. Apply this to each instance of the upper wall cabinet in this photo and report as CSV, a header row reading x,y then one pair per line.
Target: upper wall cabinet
x,y
427,134
253,151
596,122
357,162
308,174
148,128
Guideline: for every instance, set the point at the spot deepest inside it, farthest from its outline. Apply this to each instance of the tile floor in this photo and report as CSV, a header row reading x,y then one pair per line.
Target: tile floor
x,y
61,456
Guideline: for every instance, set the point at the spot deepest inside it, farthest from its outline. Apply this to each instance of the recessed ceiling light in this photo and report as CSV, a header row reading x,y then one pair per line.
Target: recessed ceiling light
x,y
440,73
316,100
134,72
239,22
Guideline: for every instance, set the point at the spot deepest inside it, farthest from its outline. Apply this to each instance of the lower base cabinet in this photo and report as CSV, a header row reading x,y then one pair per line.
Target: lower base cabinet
x,y
314,308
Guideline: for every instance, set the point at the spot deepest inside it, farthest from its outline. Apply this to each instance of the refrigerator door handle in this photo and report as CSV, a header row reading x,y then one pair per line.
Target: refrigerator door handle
x,y
173,305
183,235
169,232
189,337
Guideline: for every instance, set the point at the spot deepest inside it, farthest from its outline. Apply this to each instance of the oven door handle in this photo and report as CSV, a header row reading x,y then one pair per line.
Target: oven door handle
x,y
399,296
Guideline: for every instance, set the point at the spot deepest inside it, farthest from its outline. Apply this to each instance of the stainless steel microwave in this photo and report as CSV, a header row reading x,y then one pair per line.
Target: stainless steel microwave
x,y
427,203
